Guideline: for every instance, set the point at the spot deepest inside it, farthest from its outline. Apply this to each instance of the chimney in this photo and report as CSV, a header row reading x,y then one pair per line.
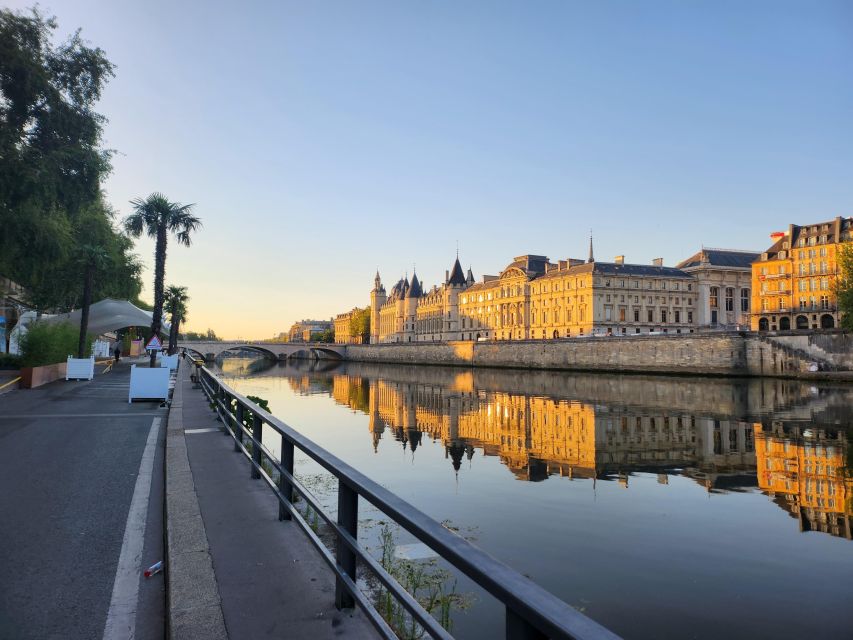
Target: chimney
x,y
446,276
658,262
619,260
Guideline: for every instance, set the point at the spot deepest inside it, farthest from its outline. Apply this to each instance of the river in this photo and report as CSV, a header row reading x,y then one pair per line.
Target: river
x,y
662,507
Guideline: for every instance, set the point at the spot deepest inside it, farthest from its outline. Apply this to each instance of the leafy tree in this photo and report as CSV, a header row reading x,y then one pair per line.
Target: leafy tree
x,y
209,335
158,217
176,306
359,324
51,162
844,285
324,336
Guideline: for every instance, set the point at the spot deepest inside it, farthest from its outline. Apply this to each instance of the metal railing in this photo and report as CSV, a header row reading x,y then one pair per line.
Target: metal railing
x,y
531,611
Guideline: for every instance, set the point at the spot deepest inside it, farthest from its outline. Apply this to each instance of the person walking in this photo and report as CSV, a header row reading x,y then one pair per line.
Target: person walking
x,y
117,351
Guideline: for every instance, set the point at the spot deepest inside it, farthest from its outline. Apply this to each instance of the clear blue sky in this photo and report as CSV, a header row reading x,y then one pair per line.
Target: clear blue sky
x,y
321,140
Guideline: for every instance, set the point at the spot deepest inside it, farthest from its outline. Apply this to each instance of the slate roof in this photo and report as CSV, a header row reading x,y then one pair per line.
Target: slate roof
x,y
415,290
721,258
457,276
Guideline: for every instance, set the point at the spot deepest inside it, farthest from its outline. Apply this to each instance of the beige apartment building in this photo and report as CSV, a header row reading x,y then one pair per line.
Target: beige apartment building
x,y
793,281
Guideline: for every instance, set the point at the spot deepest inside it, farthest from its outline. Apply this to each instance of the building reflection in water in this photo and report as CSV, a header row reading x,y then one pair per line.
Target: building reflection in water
x,y
804,470
802,467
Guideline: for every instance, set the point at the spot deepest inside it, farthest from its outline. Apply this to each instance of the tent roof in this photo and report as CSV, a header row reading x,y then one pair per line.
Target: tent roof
x,y
110,315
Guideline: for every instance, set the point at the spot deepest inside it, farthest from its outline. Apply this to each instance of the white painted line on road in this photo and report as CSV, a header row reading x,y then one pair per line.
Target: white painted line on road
x,y
121,618
206,430
22,416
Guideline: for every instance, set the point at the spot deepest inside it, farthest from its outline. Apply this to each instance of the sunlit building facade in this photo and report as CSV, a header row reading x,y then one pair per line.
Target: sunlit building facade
x,y
793,281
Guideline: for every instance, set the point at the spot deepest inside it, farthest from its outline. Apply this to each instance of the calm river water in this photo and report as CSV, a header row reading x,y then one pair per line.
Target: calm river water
x,y
662,507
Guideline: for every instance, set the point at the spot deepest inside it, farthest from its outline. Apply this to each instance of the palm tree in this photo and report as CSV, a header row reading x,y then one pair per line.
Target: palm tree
x,y
93,258
176,305
158,217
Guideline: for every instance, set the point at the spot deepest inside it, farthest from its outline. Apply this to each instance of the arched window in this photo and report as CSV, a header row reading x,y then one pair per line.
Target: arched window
x,y
715,297
744,300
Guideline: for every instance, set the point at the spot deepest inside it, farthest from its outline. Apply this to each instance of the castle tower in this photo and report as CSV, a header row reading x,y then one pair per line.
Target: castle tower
x,y
377,299
413,298
455,284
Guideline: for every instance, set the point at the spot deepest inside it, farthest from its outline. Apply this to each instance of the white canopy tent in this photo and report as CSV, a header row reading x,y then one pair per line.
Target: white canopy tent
x,y
111,315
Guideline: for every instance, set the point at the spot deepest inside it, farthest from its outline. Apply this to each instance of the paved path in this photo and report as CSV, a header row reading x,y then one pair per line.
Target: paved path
x,y
74,458
271,582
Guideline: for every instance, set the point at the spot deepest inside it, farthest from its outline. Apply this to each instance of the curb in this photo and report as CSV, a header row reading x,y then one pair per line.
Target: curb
x,y
193,604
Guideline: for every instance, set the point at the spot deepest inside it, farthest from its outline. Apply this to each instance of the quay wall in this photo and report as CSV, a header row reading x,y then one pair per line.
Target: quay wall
x,y
691,354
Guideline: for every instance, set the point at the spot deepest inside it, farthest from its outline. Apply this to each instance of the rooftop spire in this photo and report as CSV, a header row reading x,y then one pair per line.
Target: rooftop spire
x,y
591,258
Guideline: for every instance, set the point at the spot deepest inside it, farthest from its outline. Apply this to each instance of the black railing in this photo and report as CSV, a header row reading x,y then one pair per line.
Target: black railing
x,y
531,611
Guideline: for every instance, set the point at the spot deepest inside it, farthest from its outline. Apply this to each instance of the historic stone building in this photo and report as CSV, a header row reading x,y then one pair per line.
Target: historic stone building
x,y
533,298
408,314
303,330
723,287
793,280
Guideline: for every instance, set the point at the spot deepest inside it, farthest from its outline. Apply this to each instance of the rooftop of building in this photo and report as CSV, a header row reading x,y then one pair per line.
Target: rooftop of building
x,y
732,258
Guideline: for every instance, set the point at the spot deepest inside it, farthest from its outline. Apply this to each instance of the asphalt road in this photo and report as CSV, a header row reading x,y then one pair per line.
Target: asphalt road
x,y
70,453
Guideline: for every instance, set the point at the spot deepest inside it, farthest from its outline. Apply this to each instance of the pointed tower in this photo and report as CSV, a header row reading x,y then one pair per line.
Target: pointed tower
x,y
469,278
377,299
591,257
413,298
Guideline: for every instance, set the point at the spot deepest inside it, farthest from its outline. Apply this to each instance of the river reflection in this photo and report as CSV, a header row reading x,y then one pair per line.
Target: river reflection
x,y
780,441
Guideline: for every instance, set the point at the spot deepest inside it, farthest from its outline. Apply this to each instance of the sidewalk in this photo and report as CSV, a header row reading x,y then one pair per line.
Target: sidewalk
x,y
235,570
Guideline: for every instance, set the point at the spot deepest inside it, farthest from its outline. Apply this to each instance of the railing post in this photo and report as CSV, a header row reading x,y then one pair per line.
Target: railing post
x,y
257,425
348,521
284,486
517,628
238,428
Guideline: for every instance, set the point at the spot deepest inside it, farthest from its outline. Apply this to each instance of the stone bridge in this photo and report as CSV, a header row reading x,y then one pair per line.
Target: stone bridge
x,y
275,350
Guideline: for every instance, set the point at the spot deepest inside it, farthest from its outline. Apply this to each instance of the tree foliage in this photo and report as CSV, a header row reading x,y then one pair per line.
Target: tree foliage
x,y
175,305
323,336
50,343
208,336
844,285
158,217
52,164
359,324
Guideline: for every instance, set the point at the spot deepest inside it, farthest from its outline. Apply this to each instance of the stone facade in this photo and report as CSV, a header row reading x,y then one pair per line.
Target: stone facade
x,y
723,284
303,330
792,282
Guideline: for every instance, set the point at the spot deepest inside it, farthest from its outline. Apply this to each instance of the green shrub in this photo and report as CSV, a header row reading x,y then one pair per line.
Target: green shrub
x,y
45,343
10,361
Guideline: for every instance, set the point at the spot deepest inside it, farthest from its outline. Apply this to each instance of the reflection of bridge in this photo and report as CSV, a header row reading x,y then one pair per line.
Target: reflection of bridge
x,y
275,350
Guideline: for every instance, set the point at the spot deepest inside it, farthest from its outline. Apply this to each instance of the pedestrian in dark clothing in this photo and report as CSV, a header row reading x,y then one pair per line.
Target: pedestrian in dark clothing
x,y
117,351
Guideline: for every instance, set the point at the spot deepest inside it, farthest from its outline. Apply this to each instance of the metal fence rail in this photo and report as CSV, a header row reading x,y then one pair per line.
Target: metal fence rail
x,y
531,611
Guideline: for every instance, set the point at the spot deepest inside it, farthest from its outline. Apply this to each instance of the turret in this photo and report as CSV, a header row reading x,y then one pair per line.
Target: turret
x,y
377,299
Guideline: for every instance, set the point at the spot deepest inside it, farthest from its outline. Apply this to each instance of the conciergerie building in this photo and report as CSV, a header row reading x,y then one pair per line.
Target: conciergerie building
x,y
534,298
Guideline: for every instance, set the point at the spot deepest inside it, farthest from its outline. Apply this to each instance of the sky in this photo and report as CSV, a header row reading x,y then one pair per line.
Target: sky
x,y
322,140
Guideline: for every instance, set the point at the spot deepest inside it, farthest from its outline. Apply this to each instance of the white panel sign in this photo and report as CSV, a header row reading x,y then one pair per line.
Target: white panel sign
x,y
170,362
80,368
148,384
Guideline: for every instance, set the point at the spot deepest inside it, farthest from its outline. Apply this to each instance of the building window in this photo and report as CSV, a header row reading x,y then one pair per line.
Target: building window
x,y
651,315
622,314
636,315
715,297
608,313
730,298
744,300
690,317
677,316
663,315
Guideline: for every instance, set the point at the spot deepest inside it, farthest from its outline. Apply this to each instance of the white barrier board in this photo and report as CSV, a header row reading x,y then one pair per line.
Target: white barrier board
x,y
170,362
80,368
148,384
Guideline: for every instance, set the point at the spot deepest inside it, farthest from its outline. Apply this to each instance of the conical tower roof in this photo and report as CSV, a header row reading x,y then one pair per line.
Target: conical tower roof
x,y
415,290
457,276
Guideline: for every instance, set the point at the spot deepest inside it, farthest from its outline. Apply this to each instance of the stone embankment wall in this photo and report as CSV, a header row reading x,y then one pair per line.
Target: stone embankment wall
x,y
693,354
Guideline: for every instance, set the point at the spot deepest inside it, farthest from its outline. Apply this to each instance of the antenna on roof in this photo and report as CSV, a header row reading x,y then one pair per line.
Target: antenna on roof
x,y
457,249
